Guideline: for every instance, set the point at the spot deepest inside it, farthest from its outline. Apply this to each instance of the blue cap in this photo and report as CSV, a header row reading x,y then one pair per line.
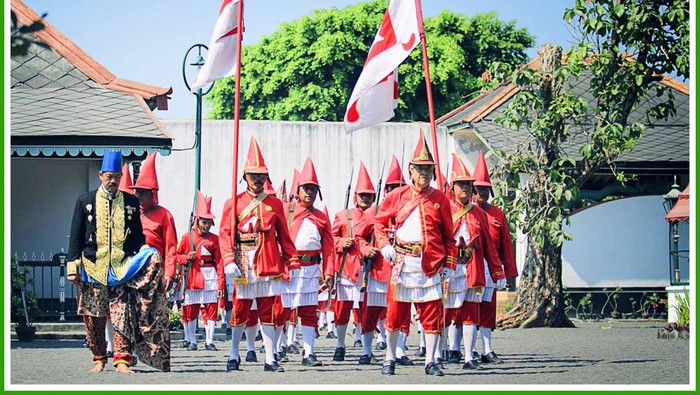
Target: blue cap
x,y
112,161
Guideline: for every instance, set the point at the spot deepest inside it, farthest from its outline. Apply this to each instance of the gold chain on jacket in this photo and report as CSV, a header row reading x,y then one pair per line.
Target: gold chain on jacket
x,y
111,234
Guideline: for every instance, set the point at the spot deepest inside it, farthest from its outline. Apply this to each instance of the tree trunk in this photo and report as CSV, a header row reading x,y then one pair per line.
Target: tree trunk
x,y
539,301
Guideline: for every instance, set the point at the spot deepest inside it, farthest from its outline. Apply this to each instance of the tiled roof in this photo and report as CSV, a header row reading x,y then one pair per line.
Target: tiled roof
x,y
665,141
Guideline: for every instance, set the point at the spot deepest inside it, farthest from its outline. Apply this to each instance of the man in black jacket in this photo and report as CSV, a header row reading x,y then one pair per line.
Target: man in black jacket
x,y
109,261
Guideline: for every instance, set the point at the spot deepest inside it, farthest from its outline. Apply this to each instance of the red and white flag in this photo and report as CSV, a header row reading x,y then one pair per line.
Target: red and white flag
x,y
376,91
223,48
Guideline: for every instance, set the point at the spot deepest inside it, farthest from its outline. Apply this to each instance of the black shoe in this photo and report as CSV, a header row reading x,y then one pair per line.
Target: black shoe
x,y
281,357
184,344
258,337
365,360
433,370
381,346
475,355
233,364
292,349
210,347
404,361
420,352
250,356
273,367
192,347
339,354
311,361
470,365
331,335
389,367
491,358
358,343
454,356
439,363
110,354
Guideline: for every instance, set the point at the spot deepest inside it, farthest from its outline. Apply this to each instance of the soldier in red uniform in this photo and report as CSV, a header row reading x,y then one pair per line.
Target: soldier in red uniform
x,y
158,224
474,244
206,283
422,254
310,229
262,255
500,233
347,227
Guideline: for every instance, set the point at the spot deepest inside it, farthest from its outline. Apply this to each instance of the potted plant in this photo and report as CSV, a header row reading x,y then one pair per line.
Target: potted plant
x,y
23,303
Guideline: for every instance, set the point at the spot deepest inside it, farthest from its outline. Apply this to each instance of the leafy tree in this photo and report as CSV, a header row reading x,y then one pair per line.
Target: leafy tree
x,y
306,69
626,48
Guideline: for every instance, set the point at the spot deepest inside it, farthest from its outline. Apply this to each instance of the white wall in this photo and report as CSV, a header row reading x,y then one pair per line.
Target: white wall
x,y
284,145
619,243
43,195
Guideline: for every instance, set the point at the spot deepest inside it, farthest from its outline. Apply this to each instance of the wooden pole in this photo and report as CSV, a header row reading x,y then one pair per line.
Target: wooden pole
x,y
236,121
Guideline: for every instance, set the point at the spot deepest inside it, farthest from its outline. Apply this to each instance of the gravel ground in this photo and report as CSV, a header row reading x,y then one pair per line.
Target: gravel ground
x,y
609,352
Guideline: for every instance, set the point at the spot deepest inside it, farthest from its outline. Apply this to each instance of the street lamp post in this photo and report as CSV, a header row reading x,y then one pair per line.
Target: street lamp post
x,y
198,62
670,200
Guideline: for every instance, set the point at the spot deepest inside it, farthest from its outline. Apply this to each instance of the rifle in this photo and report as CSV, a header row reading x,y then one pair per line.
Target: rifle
x,y
336,277
367,263
177,290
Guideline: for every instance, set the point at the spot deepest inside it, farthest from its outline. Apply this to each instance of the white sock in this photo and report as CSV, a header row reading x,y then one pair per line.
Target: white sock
x,y
236,335
321,318
309,334
431,342
453,335
192,328
250,333
392,339
358,332
227,317
330,317
381,337
485,340
109,335
367,343
291,333
211,325
280,339
469,340
342,331
268,335
401,345
443,340
422,334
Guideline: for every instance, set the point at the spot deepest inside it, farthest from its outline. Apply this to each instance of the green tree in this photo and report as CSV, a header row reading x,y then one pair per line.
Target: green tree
x,y
626,48
305,71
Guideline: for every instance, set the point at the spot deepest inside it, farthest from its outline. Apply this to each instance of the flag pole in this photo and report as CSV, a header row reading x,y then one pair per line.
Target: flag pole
x,y
428,89
236,120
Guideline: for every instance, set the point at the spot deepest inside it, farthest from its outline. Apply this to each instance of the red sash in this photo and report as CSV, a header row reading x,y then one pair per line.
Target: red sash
x,y
407,208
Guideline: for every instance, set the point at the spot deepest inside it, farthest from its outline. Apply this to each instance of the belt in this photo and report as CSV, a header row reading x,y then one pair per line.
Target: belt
x,y
309,259
207,263
408,248
248,238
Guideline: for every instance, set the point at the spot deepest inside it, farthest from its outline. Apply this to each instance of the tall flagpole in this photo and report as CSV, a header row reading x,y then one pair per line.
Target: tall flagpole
x,y
236,121
428,89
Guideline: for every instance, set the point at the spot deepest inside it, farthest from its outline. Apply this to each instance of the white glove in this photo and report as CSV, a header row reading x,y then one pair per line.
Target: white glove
x,y
447,273
501,284
388,252
232,271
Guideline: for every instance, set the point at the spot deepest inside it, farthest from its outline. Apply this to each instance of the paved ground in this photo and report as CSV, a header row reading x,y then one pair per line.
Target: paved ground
x,y
602,352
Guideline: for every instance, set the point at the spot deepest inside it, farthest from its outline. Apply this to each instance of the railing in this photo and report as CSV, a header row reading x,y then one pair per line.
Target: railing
x,y
56,297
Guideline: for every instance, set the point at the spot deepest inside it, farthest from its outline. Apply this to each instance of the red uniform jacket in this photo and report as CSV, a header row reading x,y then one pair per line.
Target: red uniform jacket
x,y
436,223
211,242
159,230
353,260
482,244
498,227
381,269
323,224
275,251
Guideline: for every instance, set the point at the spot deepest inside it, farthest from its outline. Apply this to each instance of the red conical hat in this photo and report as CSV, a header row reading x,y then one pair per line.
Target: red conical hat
x,y
481,172
295,183
282,191
148,178
204,206
268,188
422,155
441,182
364,182
125,183
459,171
394,176
255,163
308,174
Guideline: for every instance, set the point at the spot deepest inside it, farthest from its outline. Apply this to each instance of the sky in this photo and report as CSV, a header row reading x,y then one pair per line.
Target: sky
x,y
146,41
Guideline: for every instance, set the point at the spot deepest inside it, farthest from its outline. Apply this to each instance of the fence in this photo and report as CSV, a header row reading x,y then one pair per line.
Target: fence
x,y
57,297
